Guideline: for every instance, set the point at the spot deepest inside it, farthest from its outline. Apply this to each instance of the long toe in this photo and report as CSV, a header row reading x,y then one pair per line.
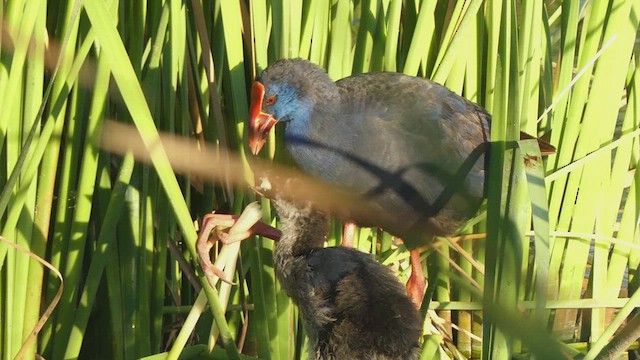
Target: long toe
x,y
212,271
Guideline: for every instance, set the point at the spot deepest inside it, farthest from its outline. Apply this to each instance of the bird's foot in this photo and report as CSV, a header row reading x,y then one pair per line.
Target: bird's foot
x,y
219,225
417,283
204,244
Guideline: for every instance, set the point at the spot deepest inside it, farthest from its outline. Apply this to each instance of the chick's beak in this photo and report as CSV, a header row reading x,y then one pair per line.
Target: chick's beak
x,y
260,123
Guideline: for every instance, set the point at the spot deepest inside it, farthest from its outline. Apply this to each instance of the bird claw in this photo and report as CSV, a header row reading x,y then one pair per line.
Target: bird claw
x,y
218,225
211,270
204,244
226,238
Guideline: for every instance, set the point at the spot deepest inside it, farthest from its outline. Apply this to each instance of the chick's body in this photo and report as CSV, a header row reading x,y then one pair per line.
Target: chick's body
x,y
352,307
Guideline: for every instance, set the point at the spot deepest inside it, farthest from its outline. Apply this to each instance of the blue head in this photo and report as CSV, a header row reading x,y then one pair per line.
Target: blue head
x,y
288,92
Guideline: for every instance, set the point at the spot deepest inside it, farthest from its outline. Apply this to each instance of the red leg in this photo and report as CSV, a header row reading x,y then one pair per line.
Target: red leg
x,y
416,283
348,234
216,221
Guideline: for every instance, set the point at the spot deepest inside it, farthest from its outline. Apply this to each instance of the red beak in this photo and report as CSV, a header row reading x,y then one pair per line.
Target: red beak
x,y
260,123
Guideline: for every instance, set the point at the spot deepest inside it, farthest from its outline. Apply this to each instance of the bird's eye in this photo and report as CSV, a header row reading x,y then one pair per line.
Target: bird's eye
x,y
270,100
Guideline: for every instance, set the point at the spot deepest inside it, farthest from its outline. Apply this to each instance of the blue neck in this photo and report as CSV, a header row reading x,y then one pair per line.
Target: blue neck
x,y
310,147
299,124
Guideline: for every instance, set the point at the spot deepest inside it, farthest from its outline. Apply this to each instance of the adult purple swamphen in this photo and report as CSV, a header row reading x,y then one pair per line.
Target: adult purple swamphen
x,y
411,146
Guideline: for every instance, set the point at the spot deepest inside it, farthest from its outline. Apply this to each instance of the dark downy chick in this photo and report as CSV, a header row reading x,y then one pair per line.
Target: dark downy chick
x,y
352,307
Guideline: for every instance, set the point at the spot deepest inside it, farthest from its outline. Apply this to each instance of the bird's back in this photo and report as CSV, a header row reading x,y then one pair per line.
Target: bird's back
x,y
410,145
